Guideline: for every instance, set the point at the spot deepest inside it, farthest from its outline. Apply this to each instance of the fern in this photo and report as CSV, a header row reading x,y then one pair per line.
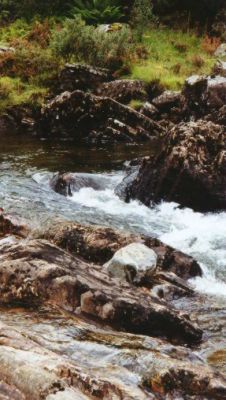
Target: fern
x,y
96,12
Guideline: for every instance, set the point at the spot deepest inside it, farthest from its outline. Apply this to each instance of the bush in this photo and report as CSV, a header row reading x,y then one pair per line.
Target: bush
x,y
210,44
82,43
141,16
29,61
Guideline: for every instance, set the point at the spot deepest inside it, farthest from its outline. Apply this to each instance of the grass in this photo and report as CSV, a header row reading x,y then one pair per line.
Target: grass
x,y
14,92
26,75
172,57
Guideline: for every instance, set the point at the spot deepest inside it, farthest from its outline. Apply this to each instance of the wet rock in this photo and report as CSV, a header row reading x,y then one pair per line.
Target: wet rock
x,y
68,183
35,272
11,225
123,90
96,119
134,262
81,77
98,244
38,373
190,169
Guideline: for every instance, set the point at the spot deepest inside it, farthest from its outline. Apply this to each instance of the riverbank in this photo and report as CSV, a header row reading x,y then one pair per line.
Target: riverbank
x,y
32,62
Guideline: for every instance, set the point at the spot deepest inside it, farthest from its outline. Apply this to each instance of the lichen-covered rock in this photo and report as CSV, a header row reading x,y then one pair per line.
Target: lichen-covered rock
x,y
133,262
190,169
81,77
95,120
124,90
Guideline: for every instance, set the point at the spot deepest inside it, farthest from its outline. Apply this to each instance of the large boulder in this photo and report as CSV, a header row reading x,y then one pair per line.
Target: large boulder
x,y
190,169
133,262
82,77
95,119
124,90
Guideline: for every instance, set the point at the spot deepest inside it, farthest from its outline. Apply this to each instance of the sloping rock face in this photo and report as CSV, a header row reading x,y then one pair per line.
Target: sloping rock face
x,y
48,353
190,169
37,272
36,372
96,119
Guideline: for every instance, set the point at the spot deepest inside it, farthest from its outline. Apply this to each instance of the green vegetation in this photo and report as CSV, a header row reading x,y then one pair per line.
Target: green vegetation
x,y
173,56
14,92
79,42
54,32
96,12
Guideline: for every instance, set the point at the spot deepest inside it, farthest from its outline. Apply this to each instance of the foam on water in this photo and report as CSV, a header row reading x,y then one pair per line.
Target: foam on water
x,y
201,235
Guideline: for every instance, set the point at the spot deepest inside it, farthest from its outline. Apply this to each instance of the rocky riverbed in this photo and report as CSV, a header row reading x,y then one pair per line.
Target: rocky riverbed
x,y
111,288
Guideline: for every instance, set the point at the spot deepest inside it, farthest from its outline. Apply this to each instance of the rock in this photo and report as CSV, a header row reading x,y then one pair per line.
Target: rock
x,y
98,244
96,119
81,77
190,169
6,49
11,225
123,90
204,94
143,368
220,68
221,50
68,183
133,263
35,272
149,110
167,100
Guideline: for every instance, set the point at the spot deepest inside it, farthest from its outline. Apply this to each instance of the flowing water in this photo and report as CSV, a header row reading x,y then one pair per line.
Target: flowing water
x,y
27,164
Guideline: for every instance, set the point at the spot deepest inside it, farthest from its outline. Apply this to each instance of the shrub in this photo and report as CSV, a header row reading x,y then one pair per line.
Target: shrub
x,y
210,44
83,43
96,12
28,61
141,16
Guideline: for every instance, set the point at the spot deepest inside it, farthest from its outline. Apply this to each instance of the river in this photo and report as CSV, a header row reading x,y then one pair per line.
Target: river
x,y
27,164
